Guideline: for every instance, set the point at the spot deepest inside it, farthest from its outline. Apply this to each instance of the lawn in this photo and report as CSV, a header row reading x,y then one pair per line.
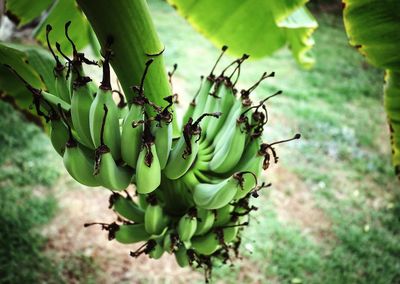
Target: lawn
x,y
29,180
331,216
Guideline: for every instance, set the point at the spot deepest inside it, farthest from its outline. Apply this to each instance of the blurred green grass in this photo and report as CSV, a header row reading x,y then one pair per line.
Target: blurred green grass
x,y
26,202
29,169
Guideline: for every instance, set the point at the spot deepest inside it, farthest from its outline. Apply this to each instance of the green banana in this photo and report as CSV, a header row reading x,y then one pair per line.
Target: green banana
x,y
185,151
163,142
142,199
157,250
77,163
192,106
111,134
227,155
180,158
123,108
132,129
162,131
170,242
205,221
131,233
252,158
127,208
75,65
225,92
230,232
206,151
246,182
80,110
200,175
53,100
62,88
148,170
58,133
227,99
155,221
181,256
223,215
201,98
207,244
131,136
213,104
61,83
187,226
178,191
230,122
109,173
215,196
81,90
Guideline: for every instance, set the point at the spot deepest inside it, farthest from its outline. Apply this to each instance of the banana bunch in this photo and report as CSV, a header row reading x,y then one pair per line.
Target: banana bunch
x,y
193,192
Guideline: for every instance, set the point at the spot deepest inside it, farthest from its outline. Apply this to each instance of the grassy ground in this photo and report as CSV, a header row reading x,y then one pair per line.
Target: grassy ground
x,y
29,171
24,165
332,215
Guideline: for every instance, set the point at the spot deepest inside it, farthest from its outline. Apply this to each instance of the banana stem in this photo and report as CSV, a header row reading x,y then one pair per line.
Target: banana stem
x,y
135,40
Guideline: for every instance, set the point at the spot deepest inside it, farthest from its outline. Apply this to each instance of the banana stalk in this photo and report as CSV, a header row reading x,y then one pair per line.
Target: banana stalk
x,y
135,40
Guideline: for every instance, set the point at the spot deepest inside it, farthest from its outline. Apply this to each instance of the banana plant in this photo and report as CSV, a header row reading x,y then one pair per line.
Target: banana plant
x,y
256,27
373,28
194,190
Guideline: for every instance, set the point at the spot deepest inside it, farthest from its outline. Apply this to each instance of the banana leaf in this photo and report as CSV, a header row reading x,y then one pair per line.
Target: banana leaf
x,y
32,63
374,28
55,13
256,27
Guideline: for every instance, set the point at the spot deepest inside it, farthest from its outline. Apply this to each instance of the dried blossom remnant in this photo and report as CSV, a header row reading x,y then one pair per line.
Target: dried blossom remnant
x,y
223,50
144,249
147,141
193,128
165,115
111,228
265,148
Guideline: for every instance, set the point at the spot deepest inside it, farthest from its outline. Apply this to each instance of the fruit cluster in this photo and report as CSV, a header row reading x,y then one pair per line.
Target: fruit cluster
x,y
192,192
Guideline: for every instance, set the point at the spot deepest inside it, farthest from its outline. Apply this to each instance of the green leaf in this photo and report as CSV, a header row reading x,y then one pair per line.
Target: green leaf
x,y
62,12
284,8
256,27
392,107
42,61
299,28
24,11
32,63
56,13
373,27
19,60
